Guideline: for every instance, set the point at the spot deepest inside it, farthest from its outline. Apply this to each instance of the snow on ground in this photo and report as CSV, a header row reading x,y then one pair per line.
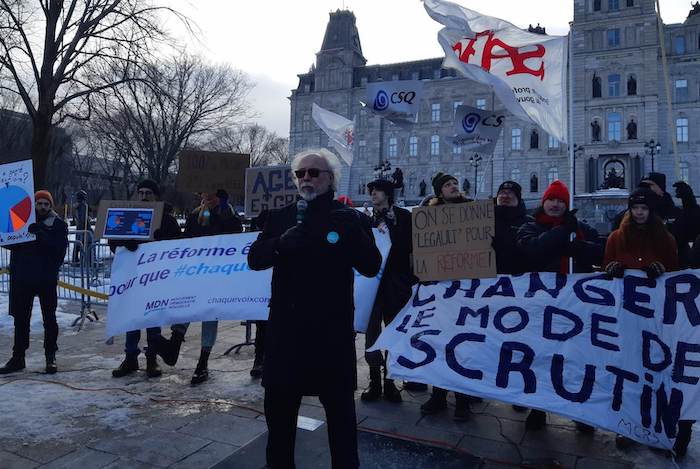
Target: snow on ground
x,y
65,319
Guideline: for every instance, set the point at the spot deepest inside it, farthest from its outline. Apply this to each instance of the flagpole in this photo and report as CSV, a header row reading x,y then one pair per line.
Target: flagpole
x,y
570,132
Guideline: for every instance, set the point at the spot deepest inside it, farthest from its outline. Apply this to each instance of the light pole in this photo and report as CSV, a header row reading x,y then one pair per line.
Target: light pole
x,y
475,161
652,148
578,151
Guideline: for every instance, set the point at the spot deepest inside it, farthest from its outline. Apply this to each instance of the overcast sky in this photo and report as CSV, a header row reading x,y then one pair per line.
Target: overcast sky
x,y
274,40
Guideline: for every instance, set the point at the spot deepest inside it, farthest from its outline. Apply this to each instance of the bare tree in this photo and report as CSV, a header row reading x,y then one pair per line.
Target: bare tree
x,y
57,54
265,147
173,105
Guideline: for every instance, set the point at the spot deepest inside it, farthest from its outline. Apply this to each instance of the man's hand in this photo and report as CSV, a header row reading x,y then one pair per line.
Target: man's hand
x,y
570,221
294,239
615,269
34,228
655,270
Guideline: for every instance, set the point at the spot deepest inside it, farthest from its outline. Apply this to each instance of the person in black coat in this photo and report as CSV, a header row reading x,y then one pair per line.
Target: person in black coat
x,y
394,288
510,216
34,270
310,346
686,227
147,191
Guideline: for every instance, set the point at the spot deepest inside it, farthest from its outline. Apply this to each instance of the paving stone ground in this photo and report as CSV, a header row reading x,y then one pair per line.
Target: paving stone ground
x,y
83,418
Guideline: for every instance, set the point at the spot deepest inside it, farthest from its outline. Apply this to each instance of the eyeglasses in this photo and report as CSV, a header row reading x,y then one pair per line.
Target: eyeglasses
x,y
313,172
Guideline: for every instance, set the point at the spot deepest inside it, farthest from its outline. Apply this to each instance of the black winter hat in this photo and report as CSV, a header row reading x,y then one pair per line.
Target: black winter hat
x,y
439,180
383,185
513,186
149,184
644,196
659,179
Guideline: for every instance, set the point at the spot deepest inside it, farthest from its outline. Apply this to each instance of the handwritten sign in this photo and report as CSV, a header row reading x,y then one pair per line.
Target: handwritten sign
x,y
209,171
16,202
268,187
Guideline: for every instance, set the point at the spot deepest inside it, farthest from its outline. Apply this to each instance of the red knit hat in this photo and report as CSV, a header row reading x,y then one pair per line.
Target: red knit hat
x,y
43,194
557,190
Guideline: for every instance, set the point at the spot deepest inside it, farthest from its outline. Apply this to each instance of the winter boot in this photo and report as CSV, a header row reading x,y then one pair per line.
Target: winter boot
x,y
463,409
374,392
201,373
169,350
413,386
622,442
536,420
15,363
685,430
584,428
436,403
51,367
152,367
257,370
391,393
128,366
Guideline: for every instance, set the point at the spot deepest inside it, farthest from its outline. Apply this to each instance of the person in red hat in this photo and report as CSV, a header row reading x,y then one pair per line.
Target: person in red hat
x,y
547,244
34,272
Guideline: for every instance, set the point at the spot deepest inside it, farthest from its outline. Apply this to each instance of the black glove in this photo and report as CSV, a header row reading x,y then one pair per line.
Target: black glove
x,y
685,193
615,269
570,221
131,245
157,235
655,270
34,228
294,239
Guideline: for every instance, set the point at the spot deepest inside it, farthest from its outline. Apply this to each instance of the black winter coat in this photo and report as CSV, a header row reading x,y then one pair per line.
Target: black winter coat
x,y
310,343
509,259
37,262
219,223
544,246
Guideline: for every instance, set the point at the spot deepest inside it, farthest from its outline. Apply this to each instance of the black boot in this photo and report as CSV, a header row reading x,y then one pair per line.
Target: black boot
x,y
374,392
51,367
201,373
257,370
436,403
128,366
152,367
685,430
463,410
169,350
391,393
584,427
413,386
15,363
536,420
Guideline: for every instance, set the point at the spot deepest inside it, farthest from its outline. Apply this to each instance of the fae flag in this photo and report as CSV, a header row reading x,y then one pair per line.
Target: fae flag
x,y
340,130
527,71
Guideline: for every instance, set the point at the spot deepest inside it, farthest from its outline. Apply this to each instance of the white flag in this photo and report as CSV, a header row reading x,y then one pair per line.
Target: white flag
x,y
527,71
396,101
340,131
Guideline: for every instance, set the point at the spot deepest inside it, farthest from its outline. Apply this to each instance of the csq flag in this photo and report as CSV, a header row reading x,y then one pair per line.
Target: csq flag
x,y
397,101
526,71
476,129
340,131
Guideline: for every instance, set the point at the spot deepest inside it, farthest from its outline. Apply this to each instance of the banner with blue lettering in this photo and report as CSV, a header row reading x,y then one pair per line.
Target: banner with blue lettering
x,y
620,354
398,101
204,279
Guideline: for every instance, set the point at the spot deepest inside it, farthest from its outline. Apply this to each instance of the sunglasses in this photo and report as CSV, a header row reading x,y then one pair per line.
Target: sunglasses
x,y
313,172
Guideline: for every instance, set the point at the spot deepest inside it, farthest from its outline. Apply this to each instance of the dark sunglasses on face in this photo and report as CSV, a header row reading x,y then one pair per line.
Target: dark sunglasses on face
x,y
313,172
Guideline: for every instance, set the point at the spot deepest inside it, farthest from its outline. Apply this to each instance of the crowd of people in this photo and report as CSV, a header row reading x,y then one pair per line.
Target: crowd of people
x,y
307,346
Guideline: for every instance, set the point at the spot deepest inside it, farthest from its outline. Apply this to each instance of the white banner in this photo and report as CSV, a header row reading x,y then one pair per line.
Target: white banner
x,y
476,129
204,279
398,101
340,131
526,70
17,200
619,354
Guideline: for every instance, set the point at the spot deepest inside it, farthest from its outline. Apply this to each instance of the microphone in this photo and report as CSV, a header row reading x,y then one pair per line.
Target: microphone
x,y
302,205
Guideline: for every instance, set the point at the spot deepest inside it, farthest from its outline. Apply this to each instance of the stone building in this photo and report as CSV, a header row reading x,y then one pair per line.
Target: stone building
x,y
619,106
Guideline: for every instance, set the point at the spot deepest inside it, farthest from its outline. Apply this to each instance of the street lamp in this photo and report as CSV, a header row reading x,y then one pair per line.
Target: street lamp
x,y
652,148
475,161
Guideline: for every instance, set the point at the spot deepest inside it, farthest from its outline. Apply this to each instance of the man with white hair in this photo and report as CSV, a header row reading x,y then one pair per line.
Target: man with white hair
x,y
313,246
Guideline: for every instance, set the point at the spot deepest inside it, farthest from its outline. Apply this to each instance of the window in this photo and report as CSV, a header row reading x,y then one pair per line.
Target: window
x,y
630,3
515,139
435,145
614,126
682,130
395,77
305,122
455,105
307,88
681,90
553,142
613,38
596,7
363,149
435,112
613,85
613,4
415,76
552,174
679,45
393,147
456,149
413,146
684,168
481,103
515,175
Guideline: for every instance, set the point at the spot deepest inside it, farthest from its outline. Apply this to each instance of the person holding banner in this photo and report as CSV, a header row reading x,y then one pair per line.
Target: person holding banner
x,y
146,191
395,286
312,247
214,216
546,242
510,216
34,272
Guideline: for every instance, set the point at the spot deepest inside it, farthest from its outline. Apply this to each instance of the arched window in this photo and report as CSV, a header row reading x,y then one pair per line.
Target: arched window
x,y
515,139
684,168
515,175
552,174
614,126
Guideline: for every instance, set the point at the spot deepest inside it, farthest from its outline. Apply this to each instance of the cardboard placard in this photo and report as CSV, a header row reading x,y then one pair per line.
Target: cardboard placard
x,y
453,241
209,171
268,187
114,206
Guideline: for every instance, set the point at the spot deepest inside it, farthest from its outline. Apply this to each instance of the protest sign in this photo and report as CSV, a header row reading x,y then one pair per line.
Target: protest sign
x,y
128,219
618,354
16,202
204,279
477,129
453,241
267,188
398,101
209,171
